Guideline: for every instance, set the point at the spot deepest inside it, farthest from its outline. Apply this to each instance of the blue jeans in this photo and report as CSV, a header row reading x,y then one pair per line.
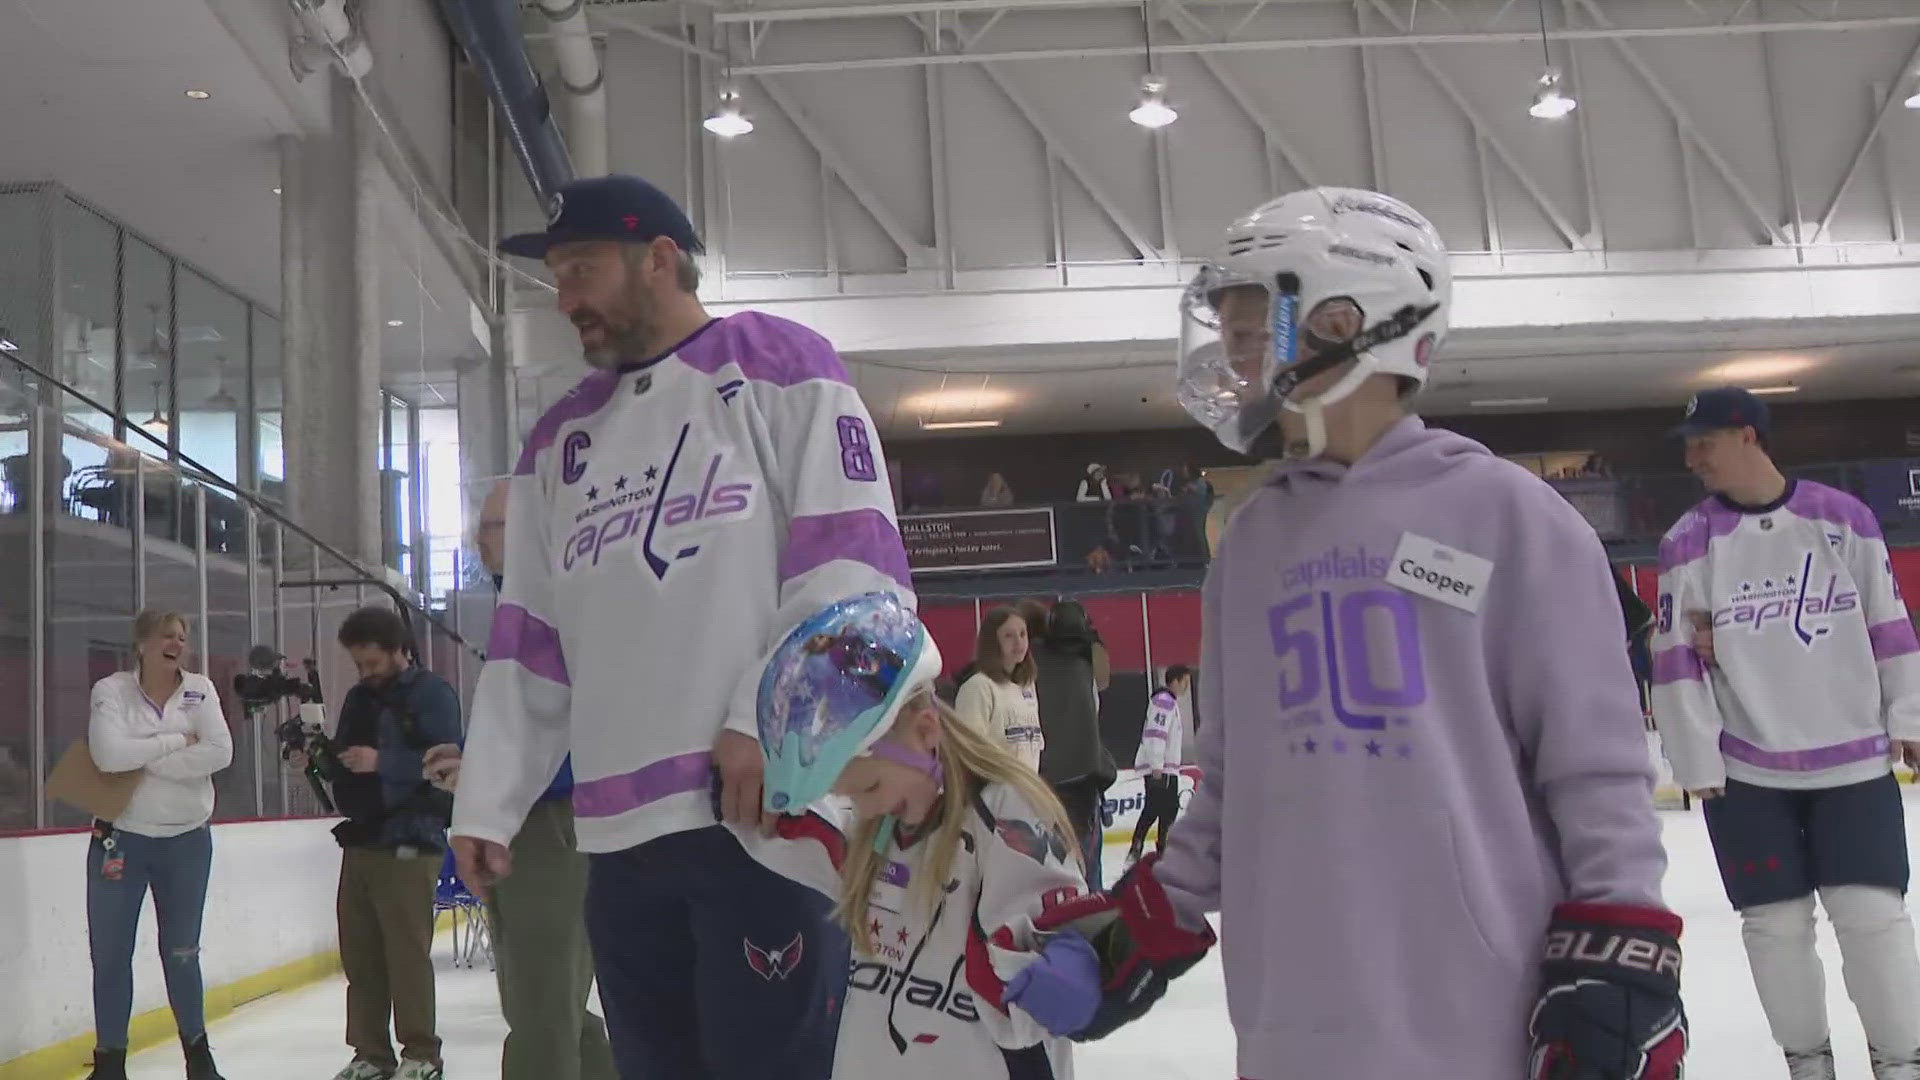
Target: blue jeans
x,y
176,869
677,924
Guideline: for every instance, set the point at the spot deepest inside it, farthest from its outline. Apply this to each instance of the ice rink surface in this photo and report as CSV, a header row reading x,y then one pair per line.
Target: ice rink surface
x,y
297,1035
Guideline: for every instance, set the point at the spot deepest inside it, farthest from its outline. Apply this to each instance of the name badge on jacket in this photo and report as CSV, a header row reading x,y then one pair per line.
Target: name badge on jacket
x,y
1431,569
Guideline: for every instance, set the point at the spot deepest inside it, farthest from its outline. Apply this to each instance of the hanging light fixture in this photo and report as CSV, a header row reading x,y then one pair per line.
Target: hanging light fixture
x,y
223,398
156,424
727,120
1550,102
1153,112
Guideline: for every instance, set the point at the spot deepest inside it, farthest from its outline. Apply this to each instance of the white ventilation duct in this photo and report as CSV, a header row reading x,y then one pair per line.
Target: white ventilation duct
x,y
329,31
585,83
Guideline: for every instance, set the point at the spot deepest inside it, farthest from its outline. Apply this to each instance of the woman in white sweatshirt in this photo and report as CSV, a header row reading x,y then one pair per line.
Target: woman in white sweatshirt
x,y
166,723
999,698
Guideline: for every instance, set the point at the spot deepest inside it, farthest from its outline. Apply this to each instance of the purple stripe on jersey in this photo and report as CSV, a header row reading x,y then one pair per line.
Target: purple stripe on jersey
x,y
1893,638
863,536
767,349
1689,540
613,795
1822,503
528,641
1677,664
1820,757
587,397
1161,735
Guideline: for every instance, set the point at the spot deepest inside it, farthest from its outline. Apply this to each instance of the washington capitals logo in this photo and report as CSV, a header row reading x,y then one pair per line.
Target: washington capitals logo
x,y
1036,844
771,964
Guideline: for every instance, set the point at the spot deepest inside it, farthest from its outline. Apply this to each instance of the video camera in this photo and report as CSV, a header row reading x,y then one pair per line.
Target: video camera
x,y
303,733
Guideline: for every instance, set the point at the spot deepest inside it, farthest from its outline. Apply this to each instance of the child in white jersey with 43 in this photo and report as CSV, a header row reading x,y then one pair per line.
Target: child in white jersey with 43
x,y
953,849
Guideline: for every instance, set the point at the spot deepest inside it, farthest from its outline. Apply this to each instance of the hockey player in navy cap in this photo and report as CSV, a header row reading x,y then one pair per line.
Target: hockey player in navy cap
x,y
1786,682
711,483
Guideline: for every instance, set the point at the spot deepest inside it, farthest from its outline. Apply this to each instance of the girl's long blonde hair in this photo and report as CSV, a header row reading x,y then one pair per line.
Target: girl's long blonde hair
x,y
970,759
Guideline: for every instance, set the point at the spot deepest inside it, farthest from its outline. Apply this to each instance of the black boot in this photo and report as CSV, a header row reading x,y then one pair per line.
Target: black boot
x,y
200,1061
109,1065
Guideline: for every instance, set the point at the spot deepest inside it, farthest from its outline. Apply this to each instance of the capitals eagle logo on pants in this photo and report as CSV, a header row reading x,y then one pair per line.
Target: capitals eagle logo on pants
x,y
771,964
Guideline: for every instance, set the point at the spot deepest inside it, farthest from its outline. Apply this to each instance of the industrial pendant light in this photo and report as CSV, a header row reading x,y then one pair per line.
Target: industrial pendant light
x,y
727,121
1153,112
1550,102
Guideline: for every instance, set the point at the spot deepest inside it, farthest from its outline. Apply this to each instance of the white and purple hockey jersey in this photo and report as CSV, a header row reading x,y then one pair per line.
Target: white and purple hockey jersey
x,y
928,1002
1160,737
1816,662
1419,733
668,523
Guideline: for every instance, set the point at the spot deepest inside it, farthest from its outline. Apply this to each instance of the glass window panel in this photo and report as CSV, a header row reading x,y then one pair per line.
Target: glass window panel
x,y
90,609
229,635
270,452
88,326
146,306
211,376
16,651
442,503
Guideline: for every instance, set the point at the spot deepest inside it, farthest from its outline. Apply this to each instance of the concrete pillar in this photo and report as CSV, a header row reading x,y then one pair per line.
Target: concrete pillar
x,y
330,249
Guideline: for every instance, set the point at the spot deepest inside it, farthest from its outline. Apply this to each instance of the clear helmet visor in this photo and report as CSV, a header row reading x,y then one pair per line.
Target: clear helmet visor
x,y
1246,350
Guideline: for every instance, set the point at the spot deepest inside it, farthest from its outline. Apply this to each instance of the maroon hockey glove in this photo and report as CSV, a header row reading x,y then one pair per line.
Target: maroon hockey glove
x,y
1610,1001
1140,945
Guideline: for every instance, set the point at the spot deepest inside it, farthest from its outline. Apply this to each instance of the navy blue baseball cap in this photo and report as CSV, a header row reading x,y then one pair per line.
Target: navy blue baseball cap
x,y
607,208
1720,408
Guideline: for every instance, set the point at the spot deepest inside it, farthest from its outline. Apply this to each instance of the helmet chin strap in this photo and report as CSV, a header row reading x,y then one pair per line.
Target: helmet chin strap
x,y
1314,409
892,751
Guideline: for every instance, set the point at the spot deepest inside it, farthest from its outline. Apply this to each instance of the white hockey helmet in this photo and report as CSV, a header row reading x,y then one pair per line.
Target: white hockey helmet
x,y
1302,285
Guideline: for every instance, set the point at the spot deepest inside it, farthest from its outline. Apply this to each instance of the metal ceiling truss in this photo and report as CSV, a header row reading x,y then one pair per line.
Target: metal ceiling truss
x,y
1484,133
1770,223
1189,28
1889,98
1058,148
918,255
1505,27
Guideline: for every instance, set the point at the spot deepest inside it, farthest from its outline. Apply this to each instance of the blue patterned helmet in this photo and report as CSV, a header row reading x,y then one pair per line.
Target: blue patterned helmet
x,y
833,689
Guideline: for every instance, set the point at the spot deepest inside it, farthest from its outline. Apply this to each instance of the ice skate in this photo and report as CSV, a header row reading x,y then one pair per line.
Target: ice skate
x,y
417,1070
362,1069
1904,1066
1816,1064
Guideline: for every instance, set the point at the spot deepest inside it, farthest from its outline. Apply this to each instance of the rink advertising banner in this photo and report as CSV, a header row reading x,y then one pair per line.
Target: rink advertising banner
x,y
1128,797
1892,489
978,540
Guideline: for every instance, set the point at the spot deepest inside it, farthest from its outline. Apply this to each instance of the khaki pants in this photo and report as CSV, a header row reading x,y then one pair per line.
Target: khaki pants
x,y
386,949
543,962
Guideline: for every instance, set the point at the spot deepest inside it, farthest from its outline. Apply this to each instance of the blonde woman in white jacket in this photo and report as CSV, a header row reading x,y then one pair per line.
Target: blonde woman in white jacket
x,y
165,722
999,698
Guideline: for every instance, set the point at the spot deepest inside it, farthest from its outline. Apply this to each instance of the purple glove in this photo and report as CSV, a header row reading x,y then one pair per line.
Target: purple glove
x,y
1060,989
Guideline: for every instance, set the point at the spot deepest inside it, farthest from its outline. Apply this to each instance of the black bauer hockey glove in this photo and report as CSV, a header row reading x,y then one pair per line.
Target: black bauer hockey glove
x,y
1610,1000
1140,945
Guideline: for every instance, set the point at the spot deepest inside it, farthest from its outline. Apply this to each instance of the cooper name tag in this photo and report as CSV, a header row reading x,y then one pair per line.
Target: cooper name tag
x,y
1431,569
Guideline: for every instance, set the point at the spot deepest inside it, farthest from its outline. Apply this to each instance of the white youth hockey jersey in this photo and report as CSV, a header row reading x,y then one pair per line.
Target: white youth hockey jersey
x,y
1007,711
1817,665
669,522
1160,738
927,1004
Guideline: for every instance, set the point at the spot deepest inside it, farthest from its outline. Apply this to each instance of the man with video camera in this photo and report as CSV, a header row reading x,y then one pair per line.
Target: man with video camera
x,y
392,841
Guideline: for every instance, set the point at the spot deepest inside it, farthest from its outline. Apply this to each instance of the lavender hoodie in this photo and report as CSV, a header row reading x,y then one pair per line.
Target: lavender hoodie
x,y
1414,786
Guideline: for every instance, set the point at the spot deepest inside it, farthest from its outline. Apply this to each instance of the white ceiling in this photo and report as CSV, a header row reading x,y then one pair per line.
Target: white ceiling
x,y
1698,146
95,94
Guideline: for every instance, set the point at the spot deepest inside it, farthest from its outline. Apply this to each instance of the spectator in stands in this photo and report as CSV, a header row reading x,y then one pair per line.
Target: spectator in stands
x,y
1094,486
1196,502
544,965
999,698
165,722
392,842
1074,761
997,492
